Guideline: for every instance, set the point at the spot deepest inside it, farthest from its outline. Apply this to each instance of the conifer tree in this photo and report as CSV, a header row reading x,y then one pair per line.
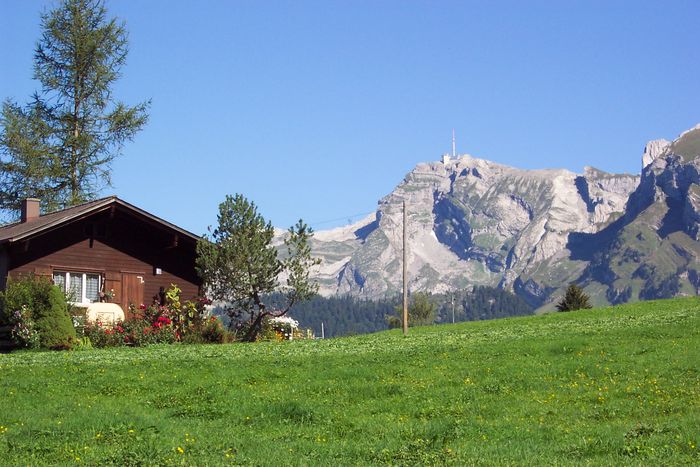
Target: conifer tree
x,y
61,145
239,265
574,299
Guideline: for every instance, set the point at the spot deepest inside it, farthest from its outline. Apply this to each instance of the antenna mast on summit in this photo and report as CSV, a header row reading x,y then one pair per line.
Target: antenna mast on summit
x,y
454,147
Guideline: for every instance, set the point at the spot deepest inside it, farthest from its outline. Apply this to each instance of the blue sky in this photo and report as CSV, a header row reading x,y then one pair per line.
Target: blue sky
x,y
317,109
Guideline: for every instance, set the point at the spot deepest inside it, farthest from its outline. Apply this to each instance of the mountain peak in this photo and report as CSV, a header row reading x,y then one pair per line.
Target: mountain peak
x,y
687,146
654,149
473,222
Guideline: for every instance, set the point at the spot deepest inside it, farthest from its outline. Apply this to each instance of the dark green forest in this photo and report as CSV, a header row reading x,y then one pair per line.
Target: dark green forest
x,y
491,303
346,315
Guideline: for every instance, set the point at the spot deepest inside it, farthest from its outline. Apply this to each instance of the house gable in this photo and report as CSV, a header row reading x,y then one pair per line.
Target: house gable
x,y
133,252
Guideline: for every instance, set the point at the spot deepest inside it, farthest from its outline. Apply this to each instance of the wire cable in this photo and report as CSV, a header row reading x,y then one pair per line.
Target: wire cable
x,y
348,217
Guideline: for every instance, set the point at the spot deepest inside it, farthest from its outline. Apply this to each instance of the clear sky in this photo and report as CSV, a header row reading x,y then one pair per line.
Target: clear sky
x,y
317,109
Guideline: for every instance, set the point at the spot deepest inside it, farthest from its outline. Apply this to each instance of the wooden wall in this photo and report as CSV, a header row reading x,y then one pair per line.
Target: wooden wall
x,y
116,245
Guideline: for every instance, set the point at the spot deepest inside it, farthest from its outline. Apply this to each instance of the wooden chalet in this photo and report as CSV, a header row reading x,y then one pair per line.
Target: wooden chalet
x,y
100,246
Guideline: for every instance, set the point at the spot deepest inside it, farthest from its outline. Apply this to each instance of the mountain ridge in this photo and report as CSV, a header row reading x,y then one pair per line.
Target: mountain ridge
x,y
476,222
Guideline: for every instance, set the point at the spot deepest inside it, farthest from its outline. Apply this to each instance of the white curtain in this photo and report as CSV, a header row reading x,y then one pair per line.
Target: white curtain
x,y
92,287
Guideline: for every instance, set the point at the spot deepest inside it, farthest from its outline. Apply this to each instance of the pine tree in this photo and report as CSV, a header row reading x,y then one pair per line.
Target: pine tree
x,y
574,299
239,264
61,145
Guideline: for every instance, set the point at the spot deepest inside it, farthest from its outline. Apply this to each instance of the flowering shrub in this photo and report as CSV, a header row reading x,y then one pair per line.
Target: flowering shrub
x,y
23,331
278,328
139,332
103,335
213,331
135,332
42,308
174,321
182,318
285,327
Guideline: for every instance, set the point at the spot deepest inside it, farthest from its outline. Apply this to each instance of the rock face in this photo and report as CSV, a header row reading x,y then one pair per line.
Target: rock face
x,y
475,222
653,250
652,150
471,222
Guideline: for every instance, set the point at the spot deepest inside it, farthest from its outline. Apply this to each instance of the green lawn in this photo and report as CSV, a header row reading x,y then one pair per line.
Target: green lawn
x,y
601,387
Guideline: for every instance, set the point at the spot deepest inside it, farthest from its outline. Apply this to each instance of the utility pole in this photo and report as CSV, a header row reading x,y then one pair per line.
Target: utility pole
x,y
405,276
453,308
323,334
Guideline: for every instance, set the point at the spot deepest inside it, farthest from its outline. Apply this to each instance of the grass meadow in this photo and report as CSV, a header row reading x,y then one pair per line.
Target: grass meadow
x,y
611,386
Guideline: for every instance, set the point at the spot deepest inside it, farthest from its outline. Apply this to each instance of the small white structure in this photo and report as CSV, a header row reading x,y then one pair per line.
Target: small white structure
x,y
105,313
445,159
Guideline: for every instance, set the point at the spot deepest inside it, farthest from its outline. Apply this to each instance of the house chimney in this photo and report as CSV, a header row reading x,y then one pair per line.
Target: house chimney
x,y
30,209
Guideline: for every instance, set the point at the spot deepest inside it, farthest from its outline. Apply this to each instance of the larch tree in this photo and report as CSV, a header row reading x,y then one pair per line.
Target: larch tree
x,y
60,146
239,265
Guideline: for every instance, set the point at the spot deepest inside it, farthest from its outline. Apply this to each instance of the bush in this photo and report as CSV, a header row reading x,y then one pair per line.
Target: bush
x,y
47,308
421,311
133,331
210,331
160,332
574,299
53,322
18,293
213,331
105,336
160,324
24,331
182,319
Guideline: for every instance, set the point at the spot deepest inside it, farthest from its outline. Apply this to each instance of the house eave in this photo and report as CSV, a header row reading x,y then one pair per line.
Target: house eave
x,y
108,203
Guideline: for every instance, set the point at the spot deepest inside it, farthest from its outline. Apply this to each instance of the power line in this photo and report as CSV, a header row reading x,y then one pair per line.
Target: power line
x,y
350,216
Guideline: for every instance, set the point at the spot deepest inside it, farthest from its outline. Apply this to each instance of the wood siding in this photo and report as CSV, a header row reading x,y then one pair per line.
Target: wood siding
x,y
115,244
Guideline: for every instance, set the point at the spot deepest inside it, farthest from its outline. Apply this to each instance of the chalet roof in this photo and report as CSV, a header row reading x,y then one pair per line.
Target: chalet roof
x,y
22,230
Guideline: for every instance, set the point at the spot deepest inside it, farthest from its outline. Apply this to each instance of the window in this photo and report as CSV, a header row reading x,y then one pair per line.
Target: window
x,y
81,287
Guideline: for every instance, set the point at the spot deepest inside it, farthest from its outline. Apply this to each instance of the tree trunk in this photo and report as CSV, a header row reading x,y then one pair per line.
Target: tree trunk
x,y
74,188
254,329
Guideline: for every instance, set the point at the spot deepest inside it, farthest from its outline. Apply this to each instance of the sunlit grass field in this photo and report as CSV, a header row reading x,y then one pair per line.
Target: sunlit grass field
x,y
609,386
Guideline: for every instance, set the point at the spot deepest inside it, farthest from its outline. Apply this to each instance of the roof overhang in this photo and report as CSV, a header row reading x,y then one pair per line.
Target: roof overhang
x,y
75,214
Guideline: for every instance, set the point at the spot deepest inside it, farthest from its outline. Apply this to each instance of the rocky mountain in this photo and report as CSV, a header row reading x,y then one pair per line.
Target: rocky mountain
x,y
475,222
653,250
